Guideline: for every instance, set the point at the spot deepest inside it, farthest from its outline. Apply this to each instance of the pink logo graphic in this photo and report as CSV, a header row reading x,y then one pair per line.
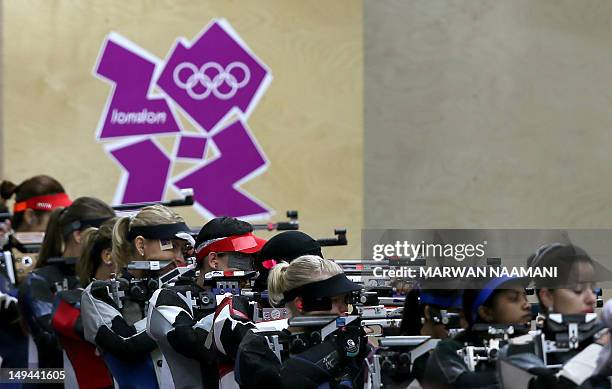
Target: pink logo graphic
x,y
146,166
131,109
213,79
222,175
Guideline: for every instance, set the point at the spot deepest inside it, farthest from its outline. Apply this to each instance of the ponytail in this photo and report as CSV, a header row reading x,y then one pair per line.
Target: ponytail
x,y
62,224
7,189
301,271
88,261
53,243
94,241
277,283
123,249
413,312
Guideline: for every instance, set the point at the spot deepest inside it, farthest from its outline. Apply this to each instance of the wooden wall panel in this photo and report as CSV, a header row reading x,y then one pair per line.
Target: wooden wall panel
x,y
309,122
487,114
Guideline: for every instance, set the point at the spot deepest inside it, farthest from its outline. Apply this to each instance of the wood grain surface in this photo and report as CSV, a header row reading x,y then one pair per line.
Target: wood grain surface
x,y
309,123
487,114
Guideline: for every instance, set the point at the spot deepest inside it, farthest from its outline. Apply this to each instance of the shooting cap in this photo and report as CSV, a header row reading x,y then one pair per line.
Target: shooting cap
x,y
43,203
444,300
504,282
289,245
227,234
319,290
80,225
162,232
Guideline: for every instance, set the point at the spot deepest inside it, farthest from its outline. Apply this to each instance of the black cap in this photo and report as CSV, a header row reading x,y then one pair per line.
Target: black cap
x,y
337,285
222,227
289,245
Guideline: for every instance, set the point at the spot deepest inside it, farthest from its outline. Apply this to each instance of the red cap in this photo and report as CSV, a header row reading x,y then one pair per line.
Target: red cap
x,y
245,243
43,203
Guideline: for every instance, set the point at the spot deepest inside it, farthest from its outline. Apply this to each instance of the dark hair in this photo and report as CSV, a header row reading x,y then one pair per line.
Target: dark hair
x,y
562,256
32,187
414,310
95,240
222,227
469,299
83,208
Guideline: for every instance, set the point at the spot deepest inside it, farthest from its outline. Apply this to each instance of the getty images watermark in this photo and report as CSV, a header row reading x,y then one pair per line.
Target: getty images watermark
x,y
408,255
467,258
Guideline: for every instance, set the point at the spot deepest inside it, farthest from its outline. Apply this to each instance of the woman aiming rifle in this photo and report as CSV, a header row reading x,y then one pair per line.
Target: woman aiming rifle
x,y
501,302
35,199
155,237
55,272
309,287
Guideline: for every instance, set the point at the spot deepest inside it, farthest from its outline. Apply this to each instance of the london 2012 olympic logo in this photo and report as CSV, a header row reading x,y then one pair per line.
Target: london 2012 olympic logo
x,y
214,81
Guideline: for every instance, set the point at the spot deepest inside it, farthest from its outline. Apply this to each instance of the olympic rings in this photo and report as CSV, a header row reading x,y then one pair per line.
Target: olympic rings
x,y
211,85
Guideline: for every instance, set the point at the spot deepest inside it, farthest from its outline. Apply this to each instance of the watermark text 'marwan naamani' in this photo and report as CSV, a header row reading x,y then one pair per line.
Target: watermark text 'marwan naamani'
x,y
464,272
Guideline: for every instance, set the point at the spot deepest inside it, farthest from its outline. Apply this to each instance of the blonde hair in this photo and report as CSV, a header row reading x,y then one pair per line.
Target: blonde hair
x,y
124,250
95,240
302,270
